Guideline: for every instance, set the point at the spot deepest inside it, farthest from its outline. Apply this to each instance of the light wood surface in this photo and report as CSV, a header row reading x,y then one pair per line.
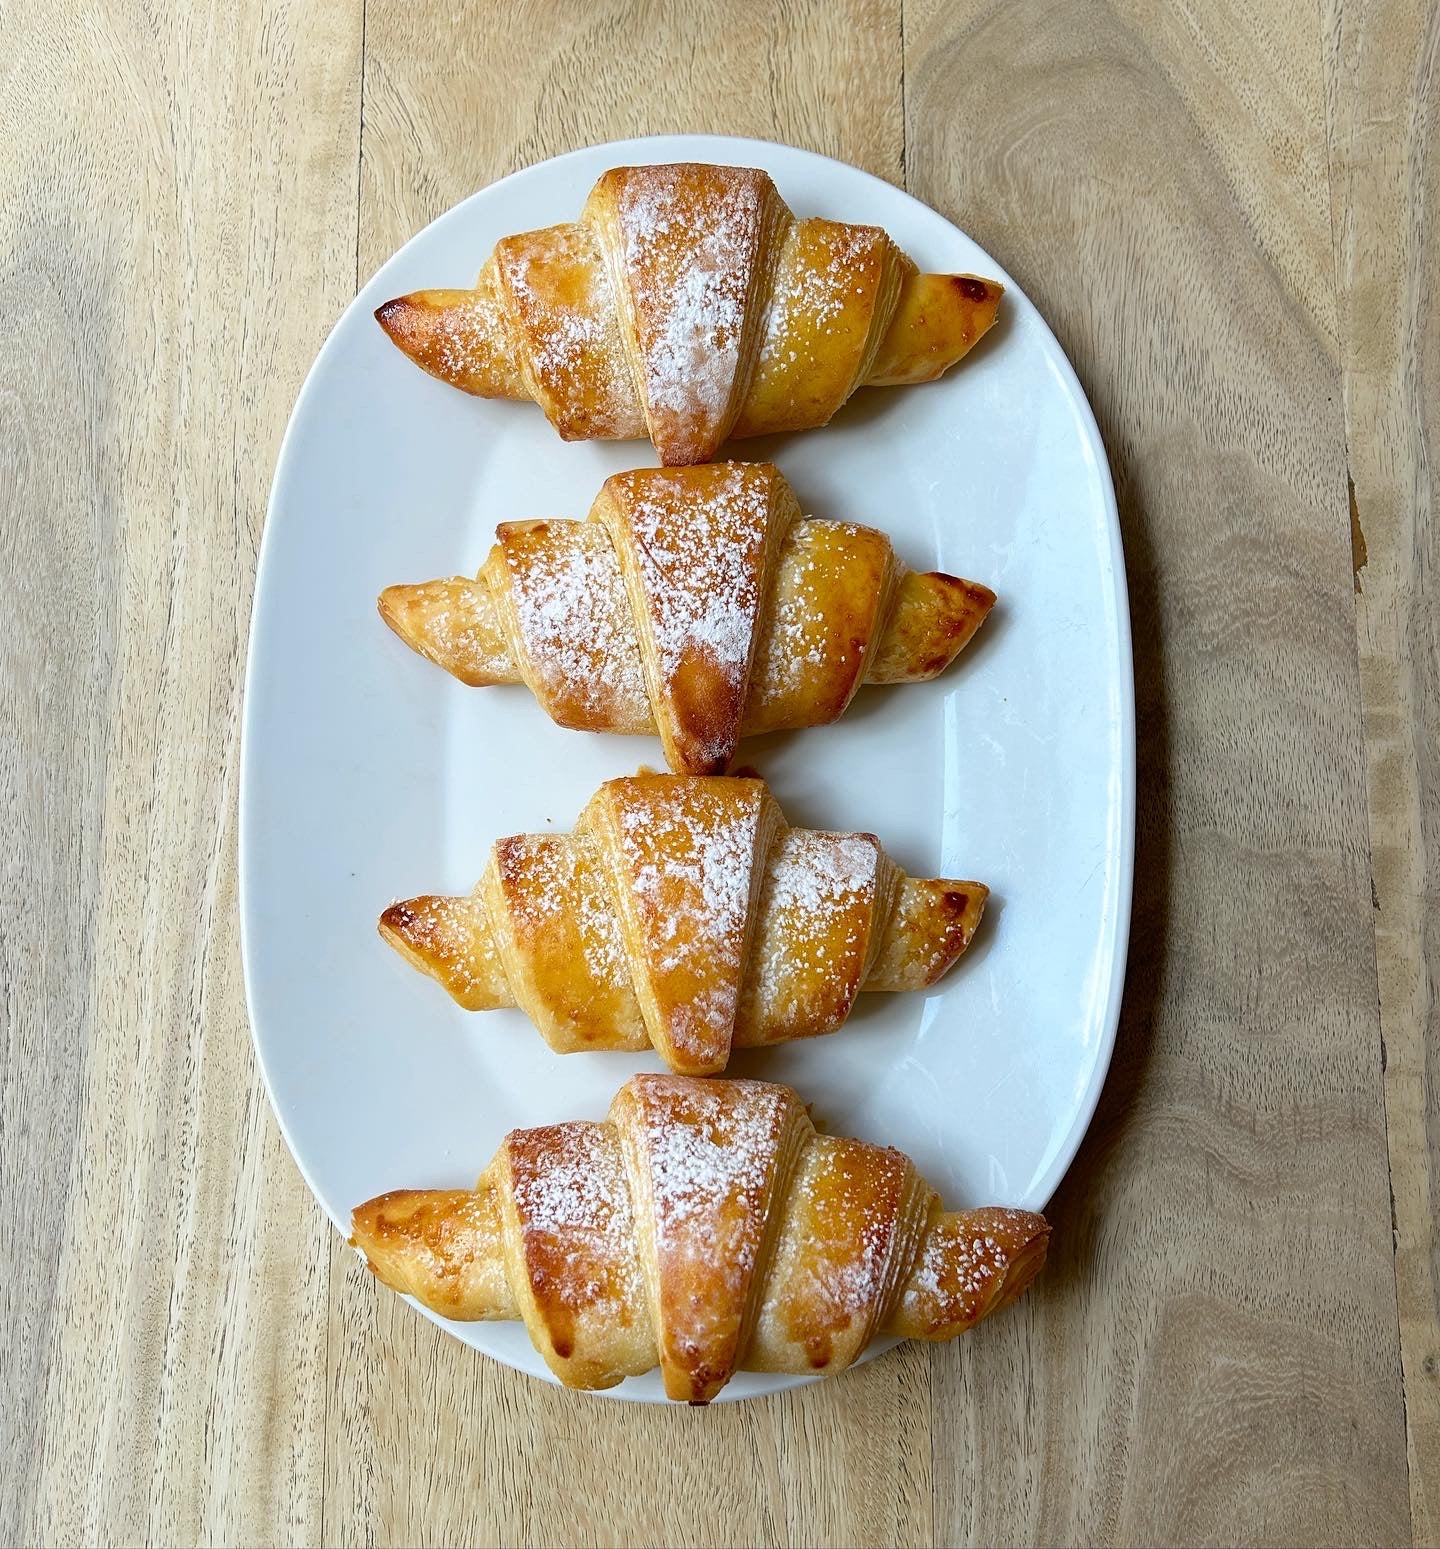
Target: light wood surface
x,y
1225,212
1382,65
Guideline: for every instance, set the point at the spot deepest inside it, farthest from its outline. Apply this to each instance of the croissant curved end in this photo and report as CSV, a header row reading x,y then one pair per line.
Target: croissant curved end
x,y
934,921
441,1246
449,939
958,911
456,335
402,609
939,319
452,622
401,318
974,1262
417,323
935,618
390,1230
966,606
407,926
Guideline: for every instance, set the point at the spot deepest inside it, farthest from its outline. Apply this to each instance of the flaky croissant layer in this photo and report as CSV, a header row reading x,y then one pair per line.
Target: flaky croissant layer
x,y
684,912
695,602
689,304
705,1228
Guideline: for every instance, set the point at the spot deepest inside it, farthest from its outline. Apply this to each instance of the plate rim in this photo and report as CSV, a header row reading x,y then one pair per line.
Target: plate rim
x,y
710,147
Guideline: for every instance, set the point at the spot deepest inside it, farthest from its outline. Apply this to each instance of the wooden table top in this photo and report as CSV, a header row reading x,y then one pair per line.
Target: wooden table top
x,y
1224,211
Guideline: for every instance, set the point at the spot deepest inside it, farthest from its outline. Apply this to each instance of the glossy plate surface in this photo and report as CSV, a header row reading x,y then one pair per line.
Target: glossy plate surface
x,y
369,775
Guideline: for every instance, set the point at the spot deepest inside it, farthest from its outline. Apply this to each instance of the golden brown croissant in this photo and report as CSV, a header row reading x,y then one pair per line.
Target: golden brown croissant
x,y
706,1228
685,913
694,601
688,304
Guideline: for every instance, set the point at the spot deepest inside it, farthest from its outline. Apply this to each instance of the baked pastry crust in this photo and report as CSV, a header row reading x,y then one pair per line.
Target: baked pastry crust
x,y
706,1228
685,913
689,304
693,602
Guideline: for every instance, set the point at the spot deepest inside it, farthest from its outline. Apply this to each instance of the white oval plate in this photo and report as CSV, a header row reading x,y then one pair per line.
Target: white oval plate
x,y
368,774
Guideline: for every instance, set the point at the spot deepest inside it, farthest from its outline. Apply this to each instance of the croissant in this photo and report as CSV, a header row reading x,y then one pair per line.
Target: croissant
x,y
707,1228
695,602
685,913
688,304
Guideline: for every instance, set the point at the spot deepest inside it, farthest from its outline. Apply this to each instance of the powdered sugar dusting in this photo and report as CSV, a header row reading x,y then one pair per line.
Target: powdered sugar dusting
x,y
465,340
814,873
711,1149
811,292
961,1265
554,879
812,641
557,336
563,337
573,617
569,330
688,253
595,916
443,931
850,1196
811,925
699,564
708,865
453,623
690,867
853,1286
710,1152
794,650
572,1182
573,1203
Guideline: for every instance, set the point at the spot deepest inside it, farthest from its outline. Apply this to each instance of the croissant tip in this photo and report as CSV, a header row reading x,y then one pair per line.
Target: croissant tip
x,y
391,314
971,606
362,1239
1032,1246
961,906
976,289
411,326
390,605
398,920
363,1220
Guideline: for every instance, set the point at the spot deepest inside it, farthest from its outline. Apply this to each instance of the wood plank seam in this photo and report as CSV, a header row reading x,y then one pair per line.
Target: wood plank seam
x,y
360,143
1382,405
1358,559
904,109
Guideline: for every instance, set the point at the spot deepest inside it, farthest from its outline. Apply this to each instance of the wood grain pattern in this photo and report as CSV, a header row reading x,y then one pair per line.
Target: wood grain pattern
x,y
1159,189
1225,212
451,108
176,237
1382,63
